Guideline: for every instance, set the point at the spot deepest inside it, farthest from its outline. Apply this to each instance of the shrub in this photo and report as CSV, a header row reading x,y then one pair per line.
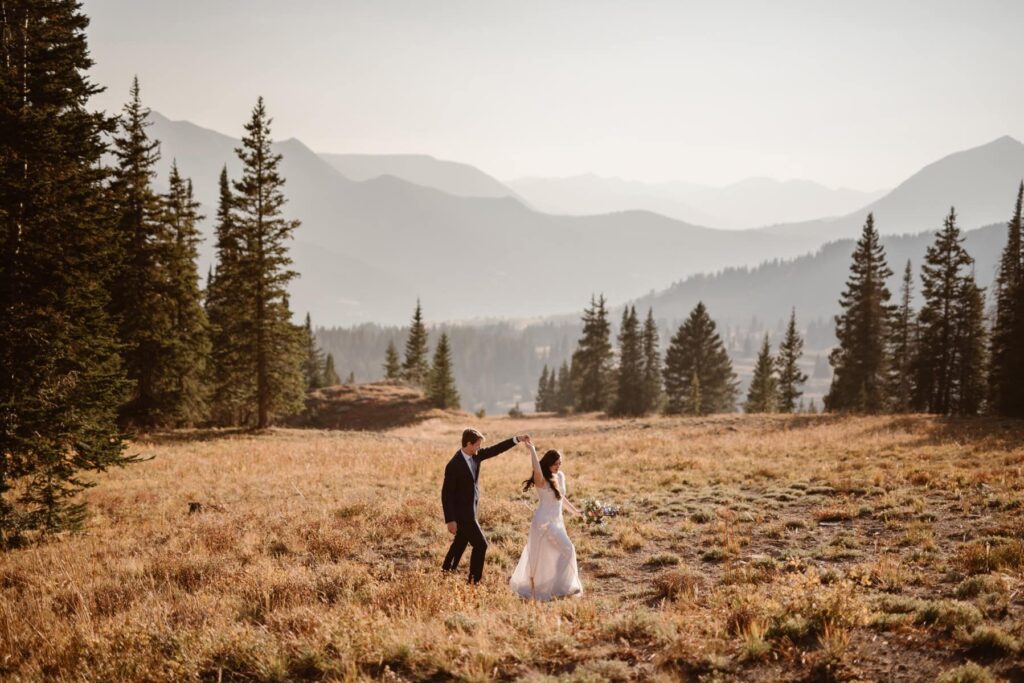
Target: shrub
x,y
993,642
678,583
987,555
968,673
974,586
662,560
948,614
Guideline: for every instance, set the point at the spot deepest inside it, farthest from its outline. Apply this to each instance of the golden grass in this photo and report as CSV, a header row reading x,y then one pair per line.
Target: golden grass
x,y
748,548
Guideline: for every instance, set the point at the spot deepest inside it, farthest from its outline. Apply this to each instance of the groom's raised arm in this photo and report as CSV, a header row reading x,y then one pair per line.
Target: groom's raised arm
x,y
496,449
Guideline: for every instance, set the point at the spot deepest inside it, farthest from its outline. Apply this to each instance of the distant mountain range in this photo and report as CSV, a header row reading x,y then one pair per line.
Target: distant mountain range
x,y
749,203
367,249
461,180
980,182
369,245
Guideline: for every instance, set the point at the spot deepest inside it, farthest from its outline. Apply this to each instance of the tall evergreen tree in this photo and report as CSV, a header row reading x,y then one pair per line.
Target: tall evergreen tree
x,y
313,363
392,364
695,397
902,347
61,378
790,376
551,396
542,402
416,369
273,343
593,378
1006,373
651,364
763,393
946,322
860,359
699,379
441,391
229,303
330,374
183,375
629,398
138,299
566,398
971,348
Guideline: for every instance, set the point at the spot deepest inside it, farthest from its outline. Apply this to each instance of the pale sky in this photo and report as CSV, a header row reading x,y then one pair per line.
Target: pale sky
x,y
855,94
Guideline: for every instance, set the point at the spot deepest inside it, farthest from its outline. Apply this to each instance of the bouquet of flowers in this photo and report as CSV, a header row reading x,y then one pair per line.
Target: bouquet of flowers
x,y
594,511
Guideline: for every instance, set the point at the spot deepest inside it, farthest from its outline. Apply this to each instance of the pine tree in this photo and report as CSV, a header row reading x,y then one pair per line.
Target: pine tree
x,y
902,345
542,401
860,360
184,391
61,378
551,395
763,393
415,369
229,302
566,392
629,399
695,397
273,344
699,379
313,363
441,391
138,300
651,364
392,364
946,322
971,348
593,379
1006,373
790,376
330,374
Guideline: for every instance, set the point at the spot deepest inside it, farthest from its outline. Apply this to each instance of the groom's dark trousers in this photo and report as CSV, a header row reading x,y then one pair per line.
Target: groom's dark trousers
x,y
460,495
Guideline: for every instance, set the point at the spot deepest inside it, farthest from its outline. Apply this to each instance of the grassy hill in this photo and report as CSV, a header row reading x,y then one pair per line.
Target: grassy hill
x,y
377,405
748,548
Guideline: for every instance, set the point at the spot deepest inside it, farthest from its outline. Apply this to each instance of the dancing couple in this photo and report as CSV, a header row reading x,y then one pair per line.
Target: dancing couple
x,y
547,566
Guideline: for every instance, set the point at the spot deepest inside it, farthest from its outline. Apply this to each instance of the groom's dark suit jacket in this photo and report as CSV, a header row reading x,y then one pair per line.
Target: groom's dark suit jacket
x,y
460,492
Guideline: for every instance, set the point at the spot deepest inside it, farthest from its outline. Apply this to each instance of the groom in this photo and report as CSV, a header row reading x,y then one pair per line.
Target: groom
x,y
460,494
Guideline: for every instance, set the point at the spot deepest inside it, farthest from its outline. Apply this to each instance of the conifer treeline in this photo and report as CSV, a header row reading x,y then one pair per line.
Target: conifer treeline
x,y
696,377
942,359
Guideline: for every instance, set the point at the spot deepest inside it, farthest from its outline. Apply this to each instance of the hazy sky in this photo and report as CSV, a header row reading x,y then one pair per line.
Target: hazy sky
x,y
857,94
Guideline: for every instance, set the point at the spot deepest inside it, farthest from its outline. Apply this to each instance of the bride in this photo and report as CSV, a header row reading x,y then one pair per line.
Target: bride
x,y
547,568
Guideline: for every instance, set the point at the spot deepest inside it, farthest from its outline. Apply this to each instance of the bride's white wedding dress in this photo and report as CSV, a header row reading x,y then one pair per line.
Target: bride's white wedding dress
x,y
547,568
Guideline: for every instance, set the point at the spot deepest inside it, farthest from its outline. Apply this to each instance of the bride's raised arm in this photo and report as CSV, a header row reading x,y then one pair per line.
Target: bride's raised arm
x,y
538,474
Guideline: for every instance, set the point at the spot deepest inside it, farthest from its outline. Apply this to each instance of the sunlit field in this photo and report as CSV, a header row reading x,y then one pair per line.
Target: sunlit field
x,y
748,548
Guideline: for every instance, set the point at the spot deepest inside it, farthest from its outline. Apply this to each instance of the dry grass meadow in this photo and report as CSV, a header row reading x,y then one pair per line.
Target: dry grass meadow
x,y
749,548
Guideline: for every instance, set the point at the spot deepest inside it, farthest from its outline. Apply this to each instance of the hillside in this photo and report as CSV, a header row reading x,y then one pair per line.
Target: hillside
x,y
369,406
980,182
811,283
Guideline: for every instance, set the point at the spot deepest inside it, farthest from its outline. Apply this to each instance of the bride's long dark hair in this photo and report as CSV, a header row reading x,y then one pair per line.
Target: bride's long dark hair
x,y
550,458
